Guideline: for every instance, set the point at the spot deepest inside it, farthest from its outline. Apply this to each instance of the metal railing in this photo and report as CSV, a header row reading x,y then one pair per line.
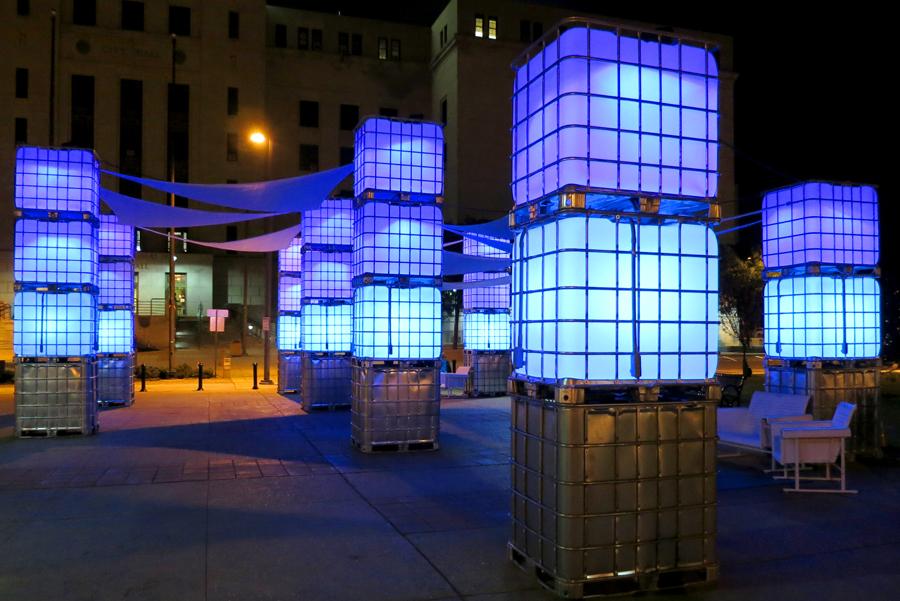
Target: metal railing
x,y
155,306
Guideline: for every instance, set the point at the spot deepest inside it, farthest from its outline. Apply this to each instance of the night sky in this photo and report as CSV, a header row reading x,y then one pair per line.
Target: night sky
x,y
811,97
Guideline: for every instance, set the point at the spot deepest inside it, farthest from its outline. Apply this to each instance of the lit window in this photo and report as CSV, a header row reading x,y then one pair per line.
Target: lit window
x,y
492,28
395,50
479,26
382,49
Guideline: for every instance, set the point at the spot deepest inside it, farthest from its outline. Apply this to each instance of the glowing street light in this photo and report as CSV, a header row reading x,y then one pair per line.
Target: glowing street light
x,y
257,137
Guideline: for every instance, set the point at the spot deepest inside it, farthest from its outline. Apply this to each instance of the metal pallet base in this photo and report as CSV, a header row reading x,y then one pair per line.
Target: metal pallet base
x,y
578,394
54,432
323,407
615,585
395,447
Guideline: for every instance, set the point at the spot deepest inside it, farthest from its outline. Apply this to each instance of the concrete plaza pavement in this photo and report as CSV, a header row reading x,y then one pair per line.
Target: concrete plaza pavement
x,y
238,494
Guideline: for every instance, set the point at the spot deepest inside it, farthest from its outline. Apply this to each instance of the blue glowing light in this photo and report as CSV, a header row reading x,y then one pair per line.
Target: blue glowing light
x,y
823,317
486,331
57,180
115,331
396,323
288,335
327,328
329,225
290,292
602,109
55,252
54,325
398,239
117,283
581,298
818,222
326,275
290,258
116,239
490,297
399,156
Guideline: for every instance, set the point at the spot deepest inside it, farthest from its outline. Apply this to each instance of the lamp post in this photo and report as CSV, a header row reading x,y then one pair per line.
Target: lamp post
x,y
170,302
259,138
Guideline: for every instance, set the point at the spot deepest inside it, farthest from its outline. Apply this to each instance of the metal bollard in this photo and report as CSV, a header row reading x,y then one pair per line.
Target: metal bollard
x,y
143,378
255,386
199,376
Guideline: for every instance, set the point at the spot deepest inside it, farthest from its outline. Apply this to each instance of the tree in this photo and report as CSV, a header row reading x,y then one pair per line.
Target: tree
x,y
741,297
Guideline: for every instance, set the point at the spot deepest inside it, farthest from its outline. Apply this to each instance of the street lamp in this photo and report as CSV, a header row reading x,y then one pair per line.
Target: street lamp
x,y
259,138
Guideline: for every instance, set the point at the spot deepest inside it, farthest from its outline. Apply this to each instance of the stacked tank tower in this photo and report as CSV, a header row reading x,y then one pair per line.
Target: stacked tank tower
x,y
326,328
115,317
397,261
290,308
56,291
614,309
822,301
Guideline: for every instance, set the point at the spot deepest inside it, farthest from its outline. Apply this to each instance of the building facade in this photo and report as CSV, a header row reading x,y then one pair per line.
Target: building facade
x,y
124,86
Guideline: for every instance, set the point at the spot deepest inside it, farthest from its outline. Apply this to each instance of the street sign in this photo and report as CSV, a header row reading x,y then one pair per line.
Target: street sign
x,y
217,319
266,324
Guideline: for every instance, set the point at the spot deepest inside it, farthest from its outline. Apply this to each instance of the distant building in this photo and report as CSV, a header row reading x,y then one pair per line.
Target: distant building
x,y
304,78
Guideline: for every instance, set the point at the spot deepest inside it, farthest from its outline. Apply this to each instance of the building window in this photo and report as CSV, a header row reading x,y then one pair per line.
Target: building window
x,y
418,116
82,124
444,110
21,130
232,101
132,15
84,12
356,44
395,50
309,157
479,26
303,38
309,113
23,8
230,233
21,82
315,39
445,38
537,30
231,143
388,112
382,49
441,37
280,36
131,133
524,31
180,20
343,42
234,25
492,28
349,116
346,155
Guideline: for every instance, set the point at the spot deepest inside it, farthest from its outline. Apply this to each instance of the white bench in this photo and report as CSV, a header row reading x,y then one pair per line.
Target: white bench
x,y
748,427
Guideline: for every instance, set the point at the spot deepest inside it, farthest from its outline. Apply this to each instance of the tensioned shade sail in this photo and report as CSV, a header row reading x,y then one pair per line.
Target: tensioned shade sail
x,y
258,244
499,281
458,264
289,195
498,228
142,213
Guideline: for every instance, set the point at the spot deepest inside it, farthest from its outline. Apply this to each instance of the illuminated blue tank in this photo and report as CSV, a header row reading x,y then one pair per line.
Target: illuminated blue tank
x,y
597,108
290,296
820,222
399,157
485,310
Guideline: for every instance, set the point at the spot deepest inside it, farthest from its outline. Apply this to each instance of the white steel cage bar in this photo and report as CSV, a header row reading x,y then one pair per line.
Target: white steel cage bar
x,y
330,226
396,323
326,275
616,302
55,251
51,324
605,108
115,331
822,317
820,222
116,239
116,283
486,331
397,239
327,327
491,297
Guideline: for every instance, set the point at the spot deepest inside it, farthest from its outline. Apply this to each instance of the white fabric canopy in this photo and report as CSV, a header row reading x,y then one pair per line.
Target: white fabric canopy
x,y
142,213
258,244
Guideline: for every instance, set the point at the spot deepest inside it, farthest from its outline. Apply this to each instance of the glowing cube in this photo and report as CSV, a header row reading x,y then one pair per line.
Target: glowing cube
x,y
486,331
290,258
399,156
491,297
582,299
327,275
115,331
54,325
823,317
58,252
117,283
599,108
288,335
54,179
818,222
327,328
398,239
331,224
290,292
116,239
396,323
